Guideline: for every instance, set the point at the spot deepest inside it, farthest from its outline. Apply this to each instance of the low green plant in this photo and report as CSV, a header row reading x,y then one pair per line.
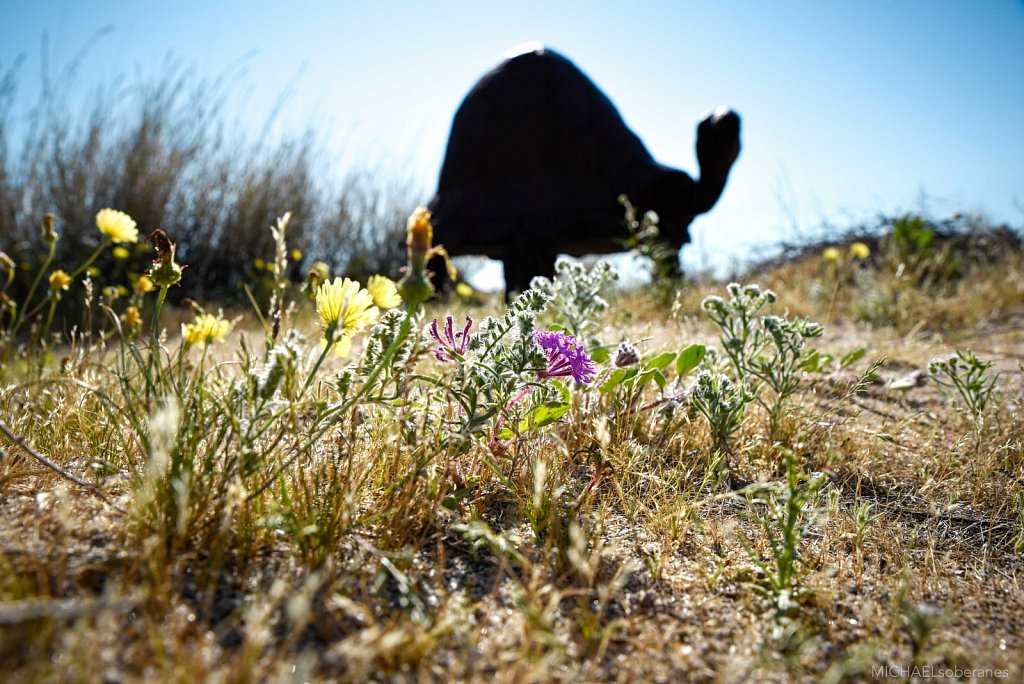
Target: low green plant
x,y
765,351
630,374
781,367
740,333
863,518
964,375
488,374
576,293
785,513
722,402
921,620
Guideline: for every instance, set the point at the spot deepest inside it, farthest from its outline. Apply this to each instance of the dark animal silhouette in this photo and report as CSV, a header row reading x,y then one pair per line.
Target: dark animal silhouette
x,y
537,158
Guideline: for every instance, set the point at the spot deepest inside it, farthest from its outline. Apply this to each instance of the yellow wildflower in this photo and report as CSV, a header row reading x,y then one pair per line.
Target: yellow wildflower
x,y
383,290
344,310
93,271
117,225
121,253
831,254
258,264
144,284
463,290
860,250
206,328
131,322
131,317
296,254
59,280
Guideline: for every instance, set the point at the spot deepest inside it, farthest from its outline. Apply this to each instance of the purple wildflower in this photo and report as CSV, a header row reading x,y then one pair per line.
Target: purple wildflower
x,y
453,346
565,356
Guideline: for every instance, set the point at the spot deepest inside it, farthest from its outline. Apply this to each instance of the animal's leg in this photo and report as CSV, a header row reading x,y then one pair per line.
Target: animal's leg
x,y
522,263
439,275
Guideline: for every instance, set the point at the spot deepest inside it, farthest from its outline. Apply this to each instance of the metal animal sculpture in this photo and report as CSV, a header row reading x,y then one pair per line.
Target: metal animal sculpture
x,y
537,158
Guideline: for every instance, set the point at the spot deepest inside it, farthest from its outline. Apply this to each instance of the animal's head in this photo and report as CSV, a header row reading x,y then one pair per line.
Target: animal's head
x,y
718,142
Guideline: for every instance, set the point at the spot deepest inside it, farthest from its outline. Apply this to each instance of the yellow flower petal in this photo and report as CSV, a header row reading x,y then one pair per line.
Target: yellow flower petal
x,y
59,280
384,292
117,225
860,250
144,284
206,328
345,306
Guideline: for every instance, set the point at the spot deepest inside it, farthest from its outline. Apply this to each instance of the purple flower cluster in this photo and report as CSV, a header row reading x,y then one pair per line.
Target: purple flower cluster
x,y
565,356
453,346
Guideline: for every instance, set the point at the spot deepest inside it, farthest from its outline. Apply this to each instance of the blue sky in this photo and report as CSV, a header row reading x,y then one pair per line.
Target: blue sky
x,y
849,109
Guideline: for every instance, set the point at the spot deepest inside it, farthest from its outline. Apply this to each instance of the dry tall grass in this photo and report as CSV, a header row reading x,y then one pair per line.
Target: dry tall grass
x,y
162,150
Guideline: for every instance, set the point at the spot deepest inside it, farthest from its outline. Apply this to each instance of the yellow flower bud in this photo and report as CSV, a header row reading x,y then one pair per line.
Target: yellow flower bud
x,y
421,231
46,230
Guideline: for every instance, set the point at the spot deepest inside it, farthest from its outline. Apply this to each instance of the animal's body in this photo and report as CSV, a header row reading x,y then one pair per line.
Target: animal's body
x,y
536,161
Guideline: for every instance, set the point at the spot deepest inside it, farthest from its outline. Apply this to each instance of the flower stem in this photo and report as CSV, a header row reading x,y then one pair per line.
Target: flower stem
x,y
22,317
92,257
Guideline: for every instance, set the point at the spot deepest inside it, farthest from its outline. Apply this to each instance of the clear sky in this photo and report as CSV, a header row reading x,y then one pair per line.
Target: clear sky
x,y
849,108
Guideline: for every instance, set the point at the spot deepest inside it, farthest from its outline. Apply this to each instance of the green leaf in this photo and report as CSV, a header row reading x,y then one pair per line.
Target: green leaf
x,y
816,361
924,237
690,358
617,377
600,355
638,380
660,361
545,414
659,378
852,357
